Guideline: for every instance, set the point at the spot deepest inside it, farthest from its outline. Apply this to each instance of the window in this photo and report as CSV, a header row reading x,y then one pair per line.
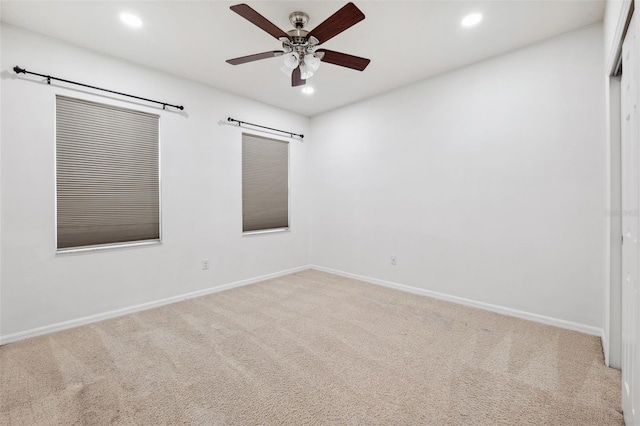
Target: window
x,y
265,184
107,174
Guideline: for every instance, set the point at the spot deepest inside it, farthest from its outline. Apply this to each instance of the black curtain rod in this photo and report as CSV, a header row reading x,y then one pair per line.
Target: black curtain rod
x,y
265,127
19,70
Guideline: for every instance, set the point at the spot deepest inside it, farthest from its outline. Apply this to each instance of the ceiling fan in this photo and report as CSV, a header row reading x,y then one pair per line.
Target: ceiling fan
x,y
300,47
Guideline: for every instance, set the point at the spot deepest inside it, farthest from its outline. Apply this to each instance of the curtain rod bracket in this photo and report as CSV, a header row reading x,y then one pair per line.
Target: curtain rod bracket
x,y
19,70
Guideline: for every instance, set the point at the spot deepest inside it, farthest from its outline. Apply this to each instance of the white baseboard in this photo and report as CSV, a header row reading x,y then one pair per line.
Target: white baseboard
x,y
10,338
587,329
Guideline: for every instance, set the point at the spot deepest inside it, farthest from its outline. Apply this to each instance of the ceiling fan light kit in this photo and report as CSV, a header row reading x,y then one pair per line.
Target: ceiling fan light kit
x,y
301,56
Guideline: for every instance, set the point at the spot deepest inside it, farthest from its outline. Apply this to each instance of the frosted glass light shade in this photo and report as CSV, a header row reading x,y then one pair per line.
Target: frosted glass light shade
x,y
291,60
312,62
305,71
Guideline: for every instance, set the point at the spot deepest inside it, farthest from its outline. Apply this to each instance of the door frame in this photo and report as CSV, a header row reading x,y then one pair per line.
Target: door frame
x,y
612,307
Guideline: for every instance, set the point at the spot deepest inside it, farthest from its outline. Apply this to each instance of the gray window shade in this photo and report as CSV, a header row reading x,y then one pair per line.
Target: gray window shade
x,y
265,183
106,174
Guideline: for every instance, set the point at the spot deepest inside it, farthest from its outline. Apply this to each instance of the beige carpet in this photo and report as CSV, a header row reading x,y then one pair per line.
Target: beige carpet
x,y
310,348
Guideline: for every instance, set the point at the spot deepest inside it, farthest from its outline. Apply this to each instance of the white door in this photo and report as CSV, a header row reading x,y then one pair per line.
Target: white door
x,y
630,225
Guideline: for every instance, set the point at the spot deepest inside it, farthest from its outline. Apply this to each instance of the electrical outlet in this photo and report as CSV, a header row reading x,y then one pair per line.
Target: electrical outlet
x,y
394,260
205,264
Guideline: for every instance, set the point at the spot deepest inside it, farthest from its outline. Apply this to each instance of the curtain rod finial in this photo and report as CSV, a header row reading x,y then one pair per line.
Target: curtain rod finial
x,y
18,70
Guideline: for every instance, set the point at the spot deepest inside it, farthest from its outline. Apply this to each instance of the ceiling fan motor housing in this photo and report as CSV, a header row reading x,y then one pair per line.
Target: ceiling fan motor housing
x,y
298,40
298,36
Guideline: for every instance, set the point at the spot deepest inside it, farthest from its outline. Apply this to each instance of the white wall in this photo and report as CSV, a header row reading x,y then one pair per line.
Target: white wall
x,y
201,191
487,183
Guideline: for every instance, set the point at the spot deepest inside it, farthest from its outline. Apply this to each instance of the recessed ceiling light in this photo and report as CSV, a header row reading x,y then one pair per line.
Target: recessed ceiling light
x,y
308,90
131,20
471,20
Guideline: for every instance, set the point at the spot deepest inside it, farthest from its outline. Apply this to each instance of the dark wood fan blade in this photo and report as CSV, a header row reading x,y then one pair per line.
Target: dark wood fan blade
x,y
258,20
344,60
256,57
344,18
296,78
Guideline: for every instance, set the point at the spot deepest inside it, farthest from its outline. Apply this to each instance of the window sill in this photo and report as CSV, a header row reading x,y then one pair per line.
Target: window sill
x,y
107,247
266,231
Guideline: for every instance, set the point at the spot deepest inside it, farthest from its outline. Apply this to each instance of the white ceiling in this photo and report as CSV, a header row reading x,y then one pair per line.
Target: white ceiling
x,y
406,41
